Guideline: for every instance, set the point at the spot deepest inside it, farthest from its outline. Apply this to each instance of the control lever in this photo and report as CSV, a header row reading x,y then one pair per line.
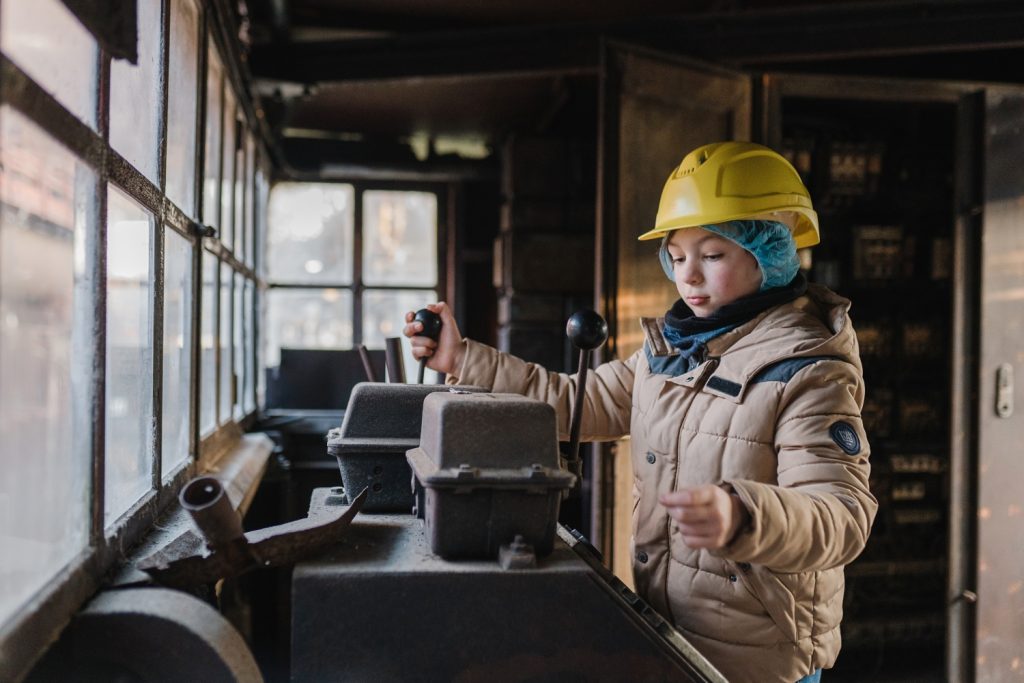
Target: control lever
x,y
431,328
587,331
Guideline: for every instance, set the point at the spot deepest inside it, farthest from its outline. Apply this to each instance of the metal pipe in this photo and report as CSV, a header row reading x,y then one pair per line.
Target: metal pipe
x,y
205,499
393,358
364,356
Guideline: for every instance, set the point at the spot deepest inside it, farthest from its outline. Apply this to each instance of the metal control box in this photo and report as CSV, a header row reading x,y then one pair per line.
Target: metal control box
x,y
382,422
479,487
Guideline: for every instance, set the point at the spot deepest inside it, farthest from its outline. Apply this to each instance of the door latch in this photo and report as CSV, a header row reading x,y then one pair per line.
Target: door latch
x,y
1004,390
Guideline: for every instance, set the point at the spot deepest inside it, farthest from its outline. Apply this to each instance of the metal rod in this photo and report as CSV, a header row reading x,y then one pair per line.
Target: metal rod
x,y
577,404
364,356
393,358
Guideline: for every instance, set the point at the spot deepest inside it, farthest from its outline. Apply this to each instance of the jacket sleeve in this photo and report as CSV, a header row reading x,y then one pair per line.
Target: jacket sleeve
x,y
609,390
820,513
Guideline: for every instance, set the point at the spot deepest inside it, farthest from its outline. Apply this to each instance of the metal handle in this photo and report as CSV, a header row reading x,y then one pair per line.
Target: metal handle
x,y
1004,390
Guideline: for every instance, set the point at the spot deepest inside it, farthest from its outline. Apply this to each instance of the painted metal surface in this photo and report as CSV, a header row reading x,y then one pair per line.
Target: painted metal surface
x,y
379,606
1000,558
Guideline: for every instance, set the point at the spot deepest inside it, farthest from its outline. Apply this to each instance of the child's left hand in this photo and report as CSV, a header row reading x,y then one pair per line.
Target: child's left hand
x,y
707,516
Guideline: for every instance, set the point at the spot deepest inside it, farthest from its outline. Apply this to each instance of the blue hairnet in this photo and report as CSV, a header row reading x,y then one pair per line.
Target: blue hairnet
x,y
770,242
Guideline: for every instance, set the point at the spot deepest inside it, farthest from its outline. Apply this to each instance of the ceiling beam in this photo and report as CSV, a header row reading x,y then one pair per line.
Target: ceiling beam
x,y
827,31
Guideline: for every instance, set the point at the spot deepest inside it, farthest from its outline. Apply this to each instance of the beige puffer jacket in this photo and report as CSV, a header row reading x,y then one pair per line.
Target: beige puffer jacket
x,y
774,415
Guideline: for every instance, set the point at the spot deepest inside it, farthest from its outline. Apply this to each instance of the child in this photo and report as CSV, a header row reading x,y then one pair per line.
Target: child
x,y
743,408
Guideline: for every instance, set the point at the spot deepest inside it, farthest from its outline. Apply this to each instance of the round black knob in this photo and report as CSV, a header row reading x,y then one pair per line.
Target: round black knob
x,y
586,329
431,323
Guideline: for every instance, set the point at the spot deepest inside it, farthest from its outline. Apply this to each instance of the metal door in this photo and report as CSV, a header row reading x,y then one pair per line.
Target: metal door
x,y
654,109
999,614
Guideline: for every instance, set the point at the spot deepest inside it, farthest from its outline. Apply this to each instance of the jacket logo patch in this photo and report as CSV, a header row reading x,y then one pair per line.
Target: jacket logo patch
x,y
724,385
845,437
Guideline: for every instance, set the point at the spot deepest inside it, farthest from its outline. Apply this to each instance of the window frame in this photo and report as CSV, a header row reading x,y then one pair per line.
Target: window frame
x,y
357,287
31,628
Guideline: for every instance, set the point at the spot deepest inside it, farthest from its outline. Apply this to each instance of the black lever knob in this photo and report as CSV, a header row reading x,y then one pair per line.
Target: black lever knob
x,y
431,328
431,323
586,330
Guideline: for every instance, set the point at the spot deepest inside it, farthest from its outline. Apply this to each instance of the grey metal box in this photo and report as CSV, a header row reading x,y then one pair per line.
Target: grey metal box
x,y
489,469
382,422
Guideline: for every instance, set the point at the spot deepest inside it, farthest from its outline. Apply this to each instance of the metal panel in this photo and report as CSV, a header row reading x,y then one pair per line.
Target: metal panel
x,y
655,109
1000,607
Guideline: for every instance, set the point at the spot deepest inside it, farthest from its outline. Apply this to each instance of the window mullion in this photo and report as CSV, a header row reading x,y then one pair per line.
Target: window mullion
x,y
357,267
99,406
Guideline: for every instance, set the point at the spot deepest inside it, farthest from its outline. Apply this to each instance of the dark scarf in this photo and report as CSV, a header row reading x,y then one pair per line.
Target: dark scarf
x,y
690,333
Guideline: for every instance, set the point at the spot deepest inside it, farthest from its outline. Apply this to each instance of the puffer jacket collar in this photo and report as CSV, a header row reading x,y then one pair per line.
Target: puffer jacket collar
x,y
791,330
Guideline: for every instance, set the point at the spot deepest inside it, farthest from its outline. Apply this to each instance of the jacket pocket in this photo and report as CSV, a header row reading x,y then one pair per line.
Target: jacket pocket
x,y
768,589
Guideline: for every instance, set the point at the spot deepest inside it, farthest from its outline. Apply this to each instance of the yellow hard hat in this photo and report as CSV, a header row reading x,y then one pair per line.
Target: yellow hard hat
x,y
728,181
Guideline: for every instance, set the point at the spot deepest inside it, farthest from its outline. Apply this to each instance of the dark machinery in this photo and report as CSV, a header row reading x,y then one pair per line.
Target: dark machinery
x,y
526,600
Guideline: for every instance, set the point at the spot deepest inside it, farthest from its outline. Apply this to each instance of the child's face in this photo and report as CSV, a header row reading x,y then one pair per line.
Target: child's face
x,y
710,270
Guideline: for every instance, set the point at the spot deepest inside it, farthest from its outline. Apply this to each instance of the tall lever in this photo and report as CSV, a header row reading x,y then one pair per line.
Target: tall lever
x,y
431,328
587,331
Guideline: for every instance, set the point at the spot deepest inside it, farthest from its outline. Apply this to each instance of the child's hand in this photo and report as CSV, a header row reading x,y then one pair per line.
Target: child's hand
x,y
707,516
445,354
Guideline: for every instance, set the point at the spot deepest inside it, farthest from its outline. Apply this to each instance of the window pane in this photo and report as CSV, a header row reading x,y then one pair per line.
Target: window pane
x,y
399,238
384,316
211,166
248,341
224,342
46,337
227,194
250,189
307,319
182,98
208,347
310,233
261,222
239,360
51,46
177,350
136,95
129,442
239,213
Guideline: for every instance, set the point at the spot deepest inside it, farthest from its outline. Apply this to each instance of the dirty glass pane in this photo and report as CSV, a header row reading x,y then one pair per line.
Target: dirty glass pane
x,y
46,338
211,165
399,238
182,97
55,50
239,213
307,319
240,362
310,228
129,400
177,350
262,208
248,393
227,194
224,342
208,347
136,96
384,316
250,190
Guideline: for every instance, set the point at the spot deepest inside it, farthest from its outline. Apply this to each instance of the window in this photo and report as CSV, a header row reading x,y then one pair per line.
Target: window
x,y
135,97
129,393
325,293
46,336
45,40
99,269
182,98
177,352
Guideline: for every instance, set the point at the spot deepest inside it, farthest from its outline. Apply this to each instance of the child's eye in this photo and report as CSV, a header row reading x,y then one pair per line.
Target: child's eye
x,y
712,257
678,259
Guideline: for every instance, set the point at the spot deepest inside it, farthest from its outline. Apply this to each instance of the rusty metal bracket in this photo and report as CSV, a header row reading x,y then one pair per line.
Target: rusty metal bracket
x,y
221,551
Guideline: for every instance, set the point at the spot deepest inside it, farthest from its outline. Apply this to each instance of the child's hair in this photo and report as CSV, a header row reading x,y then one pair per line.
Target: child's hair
x,y
770,242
